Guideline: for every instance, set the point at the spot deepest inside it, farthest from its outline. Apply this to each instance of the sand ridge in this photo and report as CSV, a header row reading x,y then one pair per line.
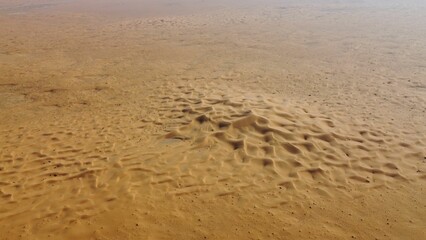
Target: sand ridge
x,y
217,144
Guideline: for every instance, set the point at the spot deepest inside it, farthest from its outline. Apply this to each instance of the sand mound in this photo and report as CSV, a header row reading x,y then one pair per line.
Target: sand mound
x,y
225,145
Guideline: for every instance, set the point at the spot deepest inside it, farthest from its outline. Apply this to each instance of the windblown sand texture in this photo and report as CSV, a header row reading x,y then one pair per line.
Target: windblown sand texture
x,y
212,120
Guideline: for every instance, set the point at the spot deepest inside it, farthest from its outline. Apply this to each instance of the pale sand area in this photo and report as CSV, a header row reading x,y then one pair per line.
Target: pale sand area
x,y
212,120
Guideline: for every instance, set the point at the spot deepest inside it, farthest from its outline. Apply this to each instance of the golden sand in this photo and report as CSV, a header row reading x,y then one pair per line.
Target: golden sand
x,y
212,120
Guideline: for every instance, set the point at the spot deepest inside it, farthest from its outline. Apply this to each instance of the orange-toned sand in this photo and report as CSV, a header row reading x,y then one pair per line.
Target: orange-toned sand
x,y
212,119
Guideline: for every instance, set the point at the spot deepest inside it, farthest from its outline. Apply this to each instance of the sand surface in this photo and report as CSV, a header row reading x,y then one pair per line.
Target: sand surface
x,y
212,119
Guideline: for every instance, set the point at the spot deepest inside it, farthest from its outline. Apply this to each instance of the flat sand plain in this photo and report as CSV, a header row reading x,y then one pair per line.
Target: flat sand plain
x,y
212,120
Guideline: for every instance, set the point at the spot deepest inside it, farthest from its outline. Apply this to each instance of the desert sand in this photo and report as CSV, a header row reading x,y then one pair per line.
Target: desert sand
x,y
212,119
